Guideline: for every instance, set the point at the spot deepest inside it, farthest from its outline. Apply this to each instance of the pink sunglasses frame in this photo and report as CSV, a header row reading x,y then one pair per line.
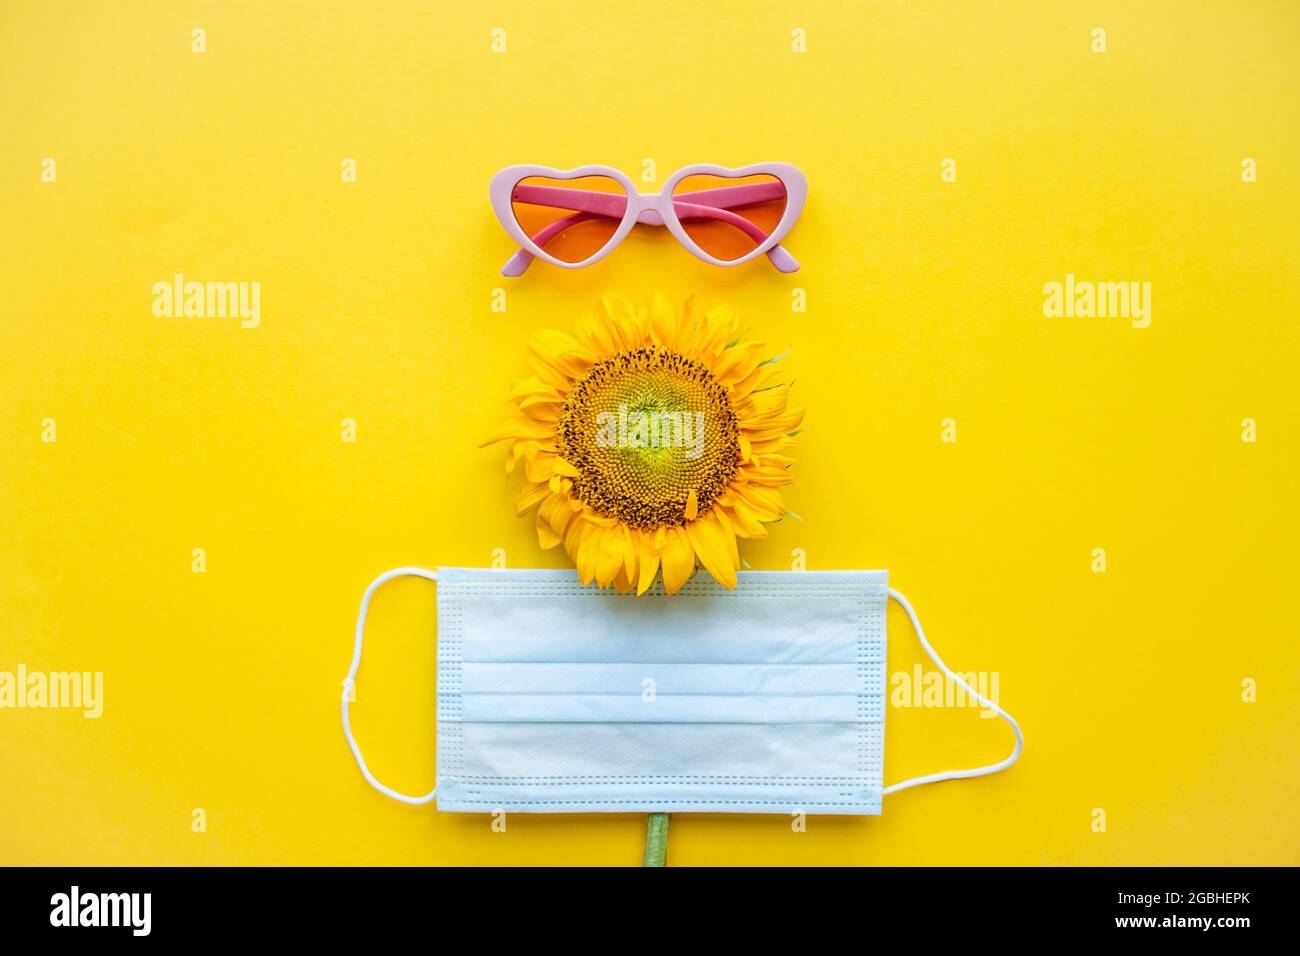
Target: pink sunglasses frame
x,y
655,209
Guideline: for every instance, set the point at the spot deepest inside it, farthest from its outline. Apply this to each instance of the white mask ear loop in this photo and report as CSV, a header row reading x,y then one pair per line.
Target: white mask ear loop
x,y
349,682
955,774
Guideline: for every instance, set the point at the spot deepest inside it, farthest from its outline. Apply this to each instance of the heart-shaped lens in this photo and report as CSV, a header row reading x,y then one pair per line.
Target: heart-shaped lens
x,y
571,219
728,217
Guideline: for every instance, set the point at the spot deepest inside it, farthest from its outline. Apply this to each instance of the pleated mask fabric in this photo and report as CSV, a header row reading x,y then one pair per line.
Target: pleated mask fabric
x,y
555,698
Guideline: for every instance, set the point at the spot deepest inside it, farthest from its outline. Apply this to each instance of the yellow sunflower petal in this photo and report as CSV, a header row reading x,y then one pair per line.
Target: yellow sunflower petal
x,y
647,561
766,448
763,378
588,538
546,535
718,329
540,467
735,364
623,582
525,402
609,556
555,512
663,320
530,496
707,538
678,559
780,423
534,388
545,413
527,451
629,552
592,328
766,503
768,477
745,520
573,533
762,407
519,429
729,536
624,323
558,358
553,344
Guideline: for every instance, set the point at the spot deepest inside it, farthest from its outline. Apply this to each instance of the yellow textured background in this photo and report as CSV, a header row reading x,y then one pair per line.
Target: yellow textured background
x,y
924,303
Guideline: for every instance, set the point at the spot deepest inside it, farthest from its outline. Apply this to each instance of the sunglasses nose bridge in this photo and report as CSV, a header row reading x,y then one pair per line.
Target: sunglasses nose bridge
x,y
646,211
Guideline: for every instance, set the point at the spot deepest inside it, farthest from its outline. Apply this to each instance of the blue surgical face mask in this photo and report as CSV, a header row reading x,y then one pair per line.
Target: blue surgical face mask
x,y
556,698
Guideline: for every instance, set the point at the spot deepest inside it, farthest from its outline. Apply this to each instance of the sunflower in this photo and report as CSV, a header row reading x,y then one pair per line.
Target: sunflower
x,y
652,439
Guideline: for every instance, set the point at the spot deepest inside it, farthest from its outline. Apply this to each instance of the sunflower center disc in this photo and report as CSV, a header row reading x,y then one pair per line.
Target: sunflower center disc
x,y
644,428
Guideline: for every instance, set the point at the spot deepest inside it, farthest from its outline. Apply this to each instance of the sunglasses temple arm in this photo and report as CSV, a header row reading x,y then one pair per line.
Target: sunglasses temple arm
x,y
517,264
783,261
726,197
777,255
520,261
612,205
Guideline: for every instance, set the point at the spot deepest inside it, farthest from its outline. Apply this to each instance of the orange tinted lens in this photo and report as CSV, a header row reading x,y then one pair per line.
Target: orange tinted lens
x,y
572,219
728,218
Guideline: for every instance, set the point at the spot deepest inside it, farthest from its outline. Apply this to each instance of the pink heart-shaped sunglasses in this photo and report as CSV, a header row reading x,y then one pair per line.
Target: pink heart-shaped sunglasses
x,y
574,217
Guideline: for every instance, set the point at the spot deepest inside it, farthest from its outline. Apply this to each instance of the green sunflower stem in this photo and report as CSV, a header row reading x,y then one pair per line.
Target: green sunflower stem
x,y
656,840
